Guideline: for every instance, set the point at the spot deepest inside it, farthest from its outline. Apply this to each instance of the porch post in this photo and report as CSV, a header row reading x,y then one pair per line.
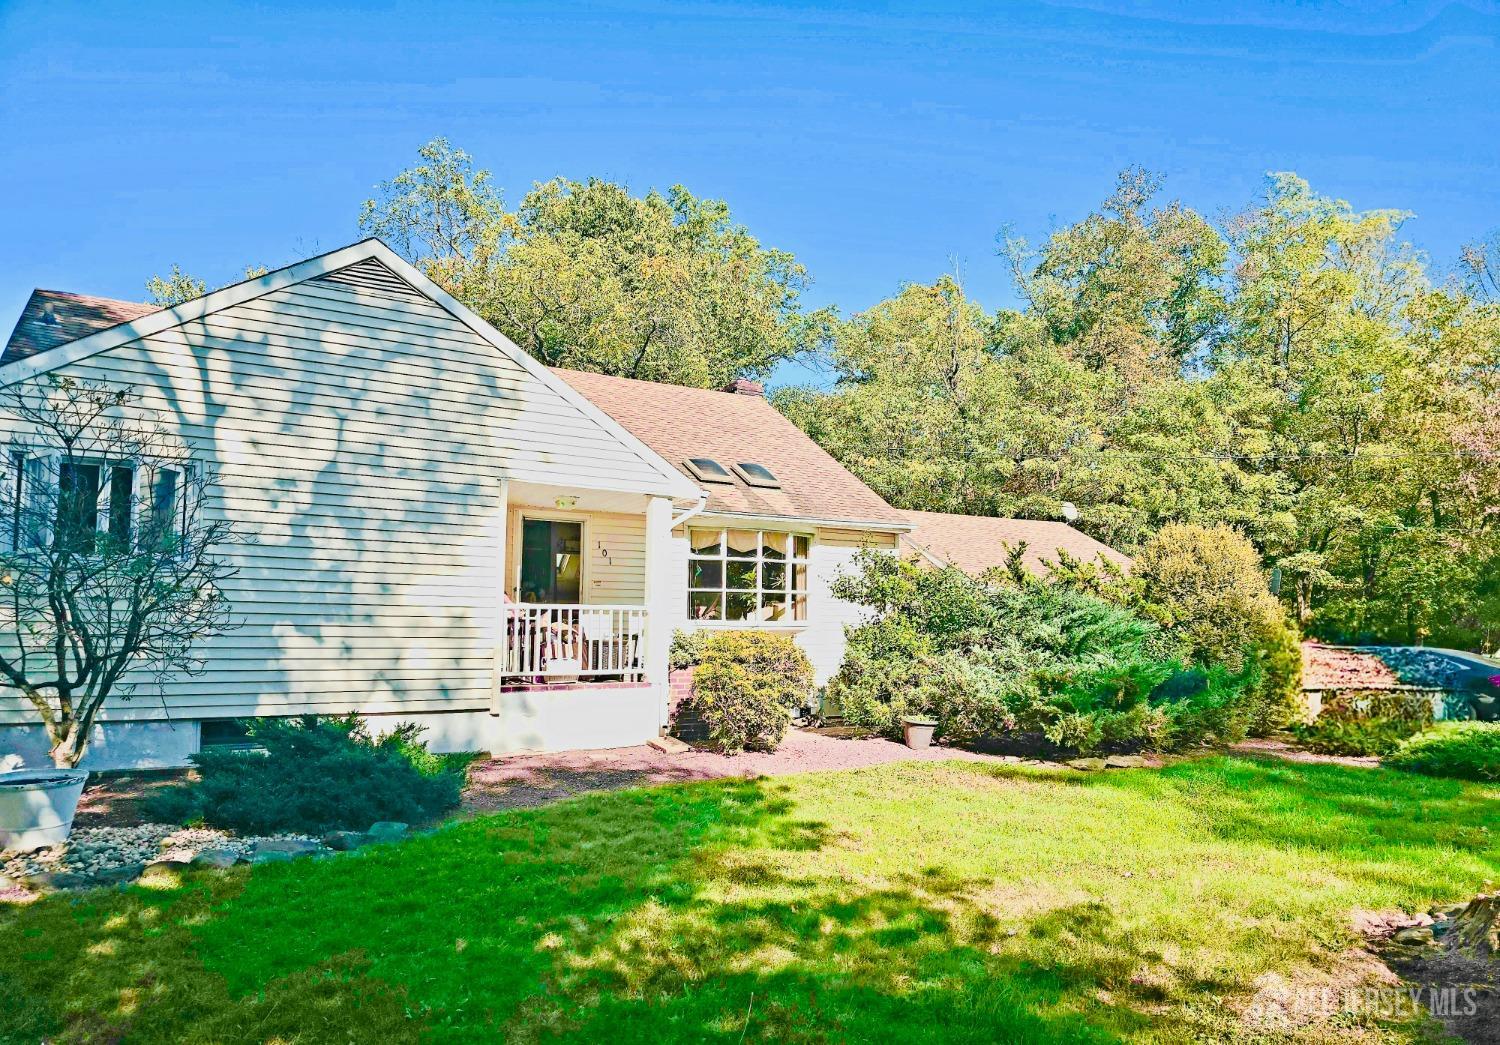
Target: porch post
x,y
660,598
501,608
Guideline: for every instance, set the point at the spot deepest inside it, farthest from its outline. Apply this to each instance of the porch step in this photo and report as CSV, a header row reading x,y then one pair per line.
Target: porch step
x,y
668,745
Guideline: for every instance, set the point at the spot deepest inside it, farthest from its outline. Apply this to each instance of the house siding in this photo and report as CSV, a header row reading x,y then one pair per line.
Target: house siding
x,y
360,433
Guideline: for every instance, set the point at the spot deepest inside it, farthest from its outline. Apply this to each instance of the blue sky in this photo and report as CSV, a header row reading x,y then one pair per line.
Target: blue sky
x,y
878,143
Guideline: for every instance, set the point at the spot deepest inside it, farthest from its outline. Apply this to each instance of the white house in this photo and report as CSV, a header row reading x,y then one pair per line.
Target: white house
x,y
443,530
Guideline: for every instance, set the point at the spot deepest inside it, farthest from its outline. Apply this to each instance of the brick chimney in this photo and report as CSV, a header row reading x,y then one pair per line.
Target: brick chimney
x,y
745,387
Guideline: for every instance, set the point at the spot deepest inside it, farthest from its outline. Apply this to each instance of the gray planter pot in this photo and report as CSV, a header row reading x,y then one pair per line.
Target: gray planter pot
x,y
37,805
918,731
1486,707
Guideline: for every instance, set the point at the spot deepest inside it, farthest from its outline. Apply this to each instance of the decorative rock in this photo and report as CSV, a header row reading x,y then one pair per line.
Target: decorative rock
x,y
289,846
1126,762
343,841
119,875
387,831
270,856
48,881
1413,934
668,745
218,859
1089,764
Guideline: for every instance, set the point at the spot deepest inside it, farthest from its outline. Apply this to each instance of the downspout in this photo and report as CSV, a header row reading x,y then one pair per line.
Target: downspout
x,y
689,513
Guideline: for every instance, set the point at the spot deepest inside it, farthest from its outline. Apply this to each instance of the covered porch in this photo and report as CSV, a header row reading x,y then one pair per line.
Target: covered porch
x,y
587,614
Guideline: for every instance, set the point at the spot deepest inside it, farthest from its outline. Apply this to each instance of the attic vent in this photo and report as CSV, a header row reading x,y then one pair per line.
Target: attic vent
x,y
757,475
49,314
709,470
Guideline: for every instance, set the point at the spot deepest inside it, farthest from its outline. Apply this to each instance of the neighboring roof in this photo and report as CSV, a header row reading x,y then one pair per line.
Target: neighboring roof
x,y
975,543
55,317
102,331
734,426
1327,667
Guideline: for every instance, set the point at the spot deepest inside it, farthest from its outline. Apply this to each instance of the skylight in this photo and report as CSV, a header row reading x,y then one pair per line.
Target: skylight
x,y
709,470
757,474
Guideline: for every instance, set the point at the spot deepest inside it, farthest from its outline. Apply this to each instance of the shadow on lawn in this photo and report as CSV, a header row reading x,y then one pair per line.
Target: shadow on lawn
x,y
664,914
659,914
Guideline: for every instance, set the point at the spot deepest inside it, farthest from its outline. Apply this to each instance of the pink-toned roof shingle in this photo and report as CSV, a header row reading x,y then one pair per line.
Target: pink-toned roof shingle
x,y
975,543
730,427
55,317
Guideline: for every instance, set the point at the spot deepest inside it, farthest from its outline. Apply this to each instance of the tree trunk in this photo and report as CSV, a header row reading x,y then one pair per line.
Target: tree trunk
x,y
1476,929
69,751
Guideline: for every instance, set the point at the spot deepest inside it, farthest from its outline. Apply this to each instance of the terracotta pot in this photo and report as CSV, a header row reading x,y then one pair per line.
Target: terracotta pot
x,y
918,731
36,806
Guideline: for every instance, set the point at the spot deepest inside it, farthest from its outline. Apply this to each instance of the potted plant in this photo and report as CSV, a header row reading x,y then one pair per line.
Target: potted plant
x,y
37,805
918,730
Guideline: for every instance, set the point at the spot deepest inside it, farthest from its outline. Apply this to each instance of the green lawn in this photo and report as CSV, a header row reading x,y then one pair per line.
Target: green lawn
x,y
915,902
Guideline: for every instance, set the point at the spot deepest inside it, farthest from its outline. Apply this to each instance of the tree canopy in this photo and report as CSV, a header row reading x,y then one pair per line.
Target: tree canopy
x,y
664,286
1295,372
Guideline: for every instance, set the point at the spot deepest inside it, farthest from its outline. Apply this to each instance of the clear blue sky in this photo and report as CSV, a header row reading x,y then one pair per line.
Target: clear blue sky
x,y
878,143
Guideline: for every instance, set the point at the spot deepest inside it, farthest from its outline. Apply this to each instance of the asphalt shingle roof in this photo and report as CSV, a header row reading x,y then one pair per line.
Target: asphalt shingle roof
x,y
975,543
55,317
732,427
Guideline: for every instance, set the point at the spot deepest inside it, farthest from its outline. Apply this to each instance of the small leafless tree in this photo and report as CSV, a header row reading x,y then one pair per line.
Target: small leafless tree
x,y
110,570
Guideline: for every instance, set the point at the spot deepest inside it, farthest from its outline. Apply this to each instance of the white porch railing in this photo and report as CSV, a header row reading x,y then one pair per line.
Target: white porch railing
x,y
559,642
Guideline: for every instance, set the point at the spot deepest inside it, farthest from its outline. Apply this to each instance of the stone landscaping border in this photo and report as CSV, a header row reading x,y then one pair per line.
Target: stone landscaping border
x,y
112,856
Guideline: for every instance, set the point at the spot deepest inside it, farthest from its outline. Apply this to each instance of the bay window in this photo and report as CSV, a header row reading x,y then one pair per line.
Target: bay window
x,y
756,576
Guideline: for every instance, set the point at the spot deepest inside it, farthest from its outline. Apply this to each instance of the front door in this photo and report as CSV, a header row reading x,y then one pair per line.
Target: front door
x,y
551,561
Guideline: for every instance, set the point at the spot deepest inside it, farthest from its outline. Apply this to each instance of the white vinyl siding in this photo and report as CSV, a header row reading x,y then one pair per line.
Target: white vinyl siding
x,y
360,433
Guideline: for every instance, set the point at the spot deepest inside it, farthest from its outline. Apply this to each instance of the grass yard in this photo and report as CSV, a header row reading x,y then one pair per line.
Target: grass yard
x,y
915,902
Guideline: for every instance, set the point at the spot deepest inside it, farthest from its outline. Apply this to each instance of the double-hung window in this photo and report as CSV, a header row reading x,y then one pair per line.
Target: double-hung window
x,y
747,575
80,503
95,500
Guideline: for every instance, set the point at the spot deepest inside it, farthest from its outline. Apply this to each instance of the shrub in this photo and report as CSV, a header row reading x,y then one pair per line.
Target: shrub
x,y
1206,585
687,648
1276,701
1467,750
315,775
1358,736
746,686
1208,706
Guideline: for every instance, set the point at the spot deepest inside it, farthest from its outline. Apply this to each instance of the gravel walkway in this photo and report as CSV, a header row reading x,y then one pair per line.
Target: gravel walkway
x,y
531,780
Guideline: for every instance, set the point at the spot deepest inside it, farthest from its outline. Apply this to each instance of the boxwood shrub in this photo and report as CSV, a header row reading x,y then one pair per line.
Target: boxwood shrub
x,y
746,685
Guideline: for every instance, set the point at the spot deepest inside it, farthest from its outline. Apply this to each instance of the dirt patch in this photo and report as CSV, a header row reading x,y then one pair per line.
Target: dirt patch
x,y
528,780
117,798
1269,747
1462,991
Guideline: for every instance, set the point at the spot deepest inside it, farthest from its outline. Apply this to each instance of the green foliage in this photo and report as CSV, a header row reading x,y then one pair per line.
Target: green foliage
x,y
746,685
1466,750
1294,375
1361,736
315,775
1278,699
177,286
1206,585
687,647
664,287
1017,657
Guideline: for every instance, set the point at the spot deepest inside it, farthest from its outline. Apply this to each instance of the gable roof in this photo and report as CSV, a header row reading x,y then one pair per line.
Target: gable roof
x,y
975,543
733,427
55,317
362,261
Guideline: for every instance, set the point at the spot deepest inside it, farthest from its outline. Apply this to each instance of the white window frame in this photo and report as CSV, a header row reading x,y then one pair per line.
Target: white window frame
x,y
759,591
585,572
